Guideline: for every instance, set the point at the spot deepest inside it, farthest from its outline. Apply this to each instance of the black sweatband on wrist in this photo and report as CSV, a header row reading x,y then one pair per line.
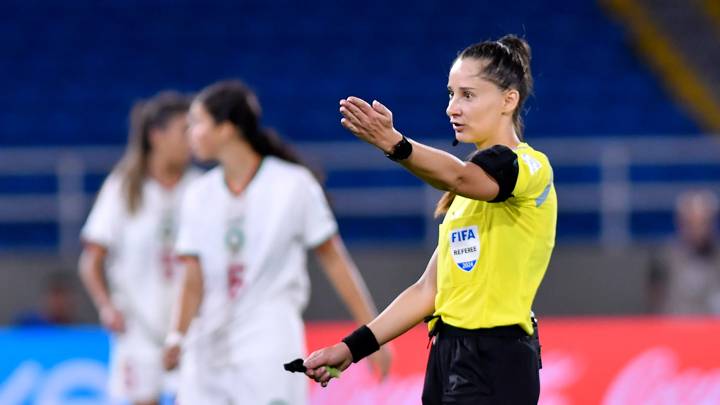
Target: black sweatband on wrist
x,y
400,150
362,343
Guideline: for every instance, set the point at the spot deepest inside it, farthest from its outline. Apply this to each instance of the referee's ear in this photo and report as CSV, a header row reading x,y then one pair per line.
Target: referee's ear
x,y
510,101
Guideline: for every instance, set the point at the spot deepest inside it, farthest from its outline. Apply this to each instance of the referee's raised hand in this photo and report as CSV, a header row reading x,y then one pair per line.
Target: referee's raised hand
x,y
337,356
371,123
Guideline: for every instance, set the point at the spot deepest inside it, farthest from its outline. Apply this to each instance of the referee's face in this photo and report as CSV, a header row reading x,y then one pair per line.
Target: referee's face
x,y
475,105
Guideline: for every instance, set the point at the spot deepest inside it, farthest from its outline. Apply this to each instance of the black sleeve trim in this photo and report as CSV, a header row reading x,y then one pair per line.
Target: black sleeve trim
x,y
500,163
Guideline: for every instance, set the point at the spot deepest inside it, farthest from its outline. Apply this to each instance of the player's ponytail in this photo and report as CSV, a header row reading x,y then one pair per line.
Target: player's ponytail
x,y
145,116
267,142
232,101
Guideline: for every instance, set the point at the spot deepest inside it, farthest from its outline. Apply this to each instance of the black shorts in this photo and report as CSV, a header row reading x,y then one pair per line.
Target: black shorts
x,y
483,366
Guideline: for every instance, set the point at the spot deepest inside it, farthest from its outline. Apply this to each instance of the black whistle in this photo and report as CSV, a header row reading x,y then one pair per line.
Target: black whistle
x,y
295,366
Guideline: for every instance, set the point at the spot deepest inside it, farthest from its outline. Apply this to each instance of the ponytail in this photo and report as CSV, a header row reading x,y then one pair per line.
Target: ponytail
x,y
443,205
267,142
232,101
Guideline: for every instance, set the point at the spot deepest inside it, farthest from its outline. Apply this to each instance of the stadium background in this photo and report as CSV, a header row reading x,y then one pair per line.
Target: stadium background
x,y
627,96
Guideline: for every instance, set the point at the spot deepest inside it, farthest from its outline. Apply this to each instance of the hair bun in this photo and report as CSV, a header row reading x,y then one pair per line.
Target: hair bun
x,y
518,48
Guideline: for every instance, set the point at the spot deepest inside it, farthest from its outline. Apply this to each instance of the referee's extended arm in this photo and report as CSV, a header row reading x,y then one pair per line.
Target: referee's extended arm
x,y
373,123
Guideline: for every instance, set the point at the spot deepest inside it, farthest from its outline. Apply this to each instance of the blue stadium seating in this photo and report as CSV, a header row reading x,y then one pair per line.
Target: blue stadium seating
x,y
72,70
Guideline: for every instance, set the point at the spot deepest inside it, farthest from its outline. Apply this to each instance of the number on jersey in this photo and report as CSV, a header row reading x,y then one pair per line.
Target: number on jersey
x,y
235,279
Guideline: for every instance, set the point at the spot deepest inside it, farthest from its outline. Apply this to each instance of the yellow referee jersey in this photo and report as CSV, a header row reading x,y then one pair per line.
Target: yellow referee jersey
x,y
493,256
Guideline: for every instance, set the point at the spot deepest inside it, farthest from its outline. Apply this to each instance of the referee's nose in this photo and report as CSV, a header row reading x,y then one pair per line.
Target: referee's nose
x,y
452,108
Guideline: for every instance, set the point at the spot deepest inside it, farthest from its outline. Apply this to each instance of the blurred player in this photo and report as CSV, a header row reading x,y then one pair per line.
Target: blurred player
x,y
685,274
244,232
127,264
494,243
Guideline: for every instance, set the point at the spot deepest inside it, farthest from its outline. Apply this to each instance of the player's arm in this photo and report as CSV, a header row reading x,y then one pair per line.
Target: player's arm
x,y
345,278
406,311
374,124
92,273
186,308
350,286
191,295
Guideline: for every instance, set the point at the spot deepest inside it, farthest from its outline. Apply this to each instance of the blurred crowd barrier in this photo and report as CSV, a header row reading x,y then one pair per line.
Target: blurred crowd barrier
x,y
610,361
581,280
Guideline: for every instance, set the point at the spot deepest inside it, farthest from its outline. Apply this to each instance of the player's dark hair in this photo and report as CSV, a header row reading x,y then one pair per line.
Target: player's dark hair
x,y
232,101
145,116
507,65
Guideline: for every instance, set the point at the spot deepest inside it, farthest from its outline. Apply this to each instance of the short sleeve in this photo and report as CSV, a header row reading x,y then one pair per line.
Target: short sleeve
x,y
188,238
318,223
534,175
500,163
107,214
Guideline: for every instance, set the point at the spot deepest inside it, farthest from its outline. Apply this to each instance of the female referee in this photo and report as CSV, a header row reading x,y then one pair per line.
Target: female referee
x,y
245,229
494,243
129,239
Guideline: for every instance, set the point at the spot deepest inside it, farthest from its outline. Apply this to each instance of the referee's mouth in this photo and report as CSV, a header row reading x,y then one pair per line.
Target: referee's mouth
x,y
457,126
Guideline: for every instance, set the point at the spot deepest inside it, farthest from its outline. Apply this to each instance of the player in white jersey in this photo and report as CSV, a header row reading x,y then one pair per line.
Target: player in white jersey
x,y
128,264
245,228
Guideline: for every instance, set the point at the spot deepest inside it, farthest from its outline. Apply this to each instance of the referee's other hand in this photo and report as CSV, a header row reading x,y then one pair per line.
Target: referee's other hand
x,y
337,356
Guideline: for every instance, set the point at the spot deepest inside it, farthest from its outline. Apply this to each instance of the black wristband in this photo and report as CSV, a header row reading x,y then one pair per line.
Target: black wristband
x,y
400,151
362,343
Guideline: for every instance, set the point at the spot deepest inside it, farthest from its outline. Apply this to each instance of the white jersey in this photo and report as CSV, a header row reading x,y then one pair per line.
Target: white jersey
x,y
141,267
252,250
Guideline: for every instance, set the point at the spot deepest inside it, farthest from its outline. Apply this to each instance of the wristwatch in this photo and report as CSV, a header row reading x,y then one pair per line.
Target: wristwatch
x,y
400,151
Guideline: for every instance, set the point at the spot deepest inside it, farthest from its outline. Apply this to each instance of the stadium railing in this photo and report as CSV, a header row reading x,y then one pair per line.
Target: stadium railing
x,y
611,179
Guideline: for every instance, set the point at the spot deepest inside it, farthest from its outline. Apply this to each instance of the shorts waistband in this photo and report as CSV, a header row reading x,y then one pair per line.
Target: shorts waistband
x,y
509,331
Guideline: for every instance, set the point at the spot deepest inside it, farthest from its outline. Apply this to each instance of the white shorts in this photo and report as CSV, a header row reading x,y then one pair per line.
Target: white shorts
x,y
136,373
254,373
247,384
